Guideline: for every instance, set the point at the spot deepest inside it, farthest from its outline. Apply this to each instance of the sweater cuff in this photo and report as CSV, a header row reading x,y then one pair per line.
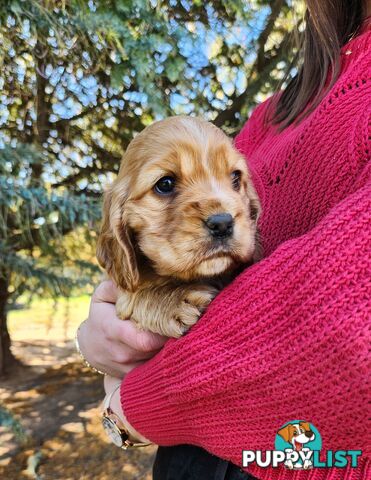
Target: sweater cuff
x,y
144,400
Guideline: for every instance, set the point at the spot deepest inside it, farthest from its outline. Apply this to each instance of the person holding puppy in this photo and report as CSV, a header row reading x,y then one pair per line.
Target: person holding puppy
x,y
288,338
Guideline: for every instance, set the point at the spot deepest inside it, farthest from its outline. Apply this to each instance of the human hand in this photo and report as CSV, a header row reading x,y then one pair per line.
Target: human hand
x,y
112,345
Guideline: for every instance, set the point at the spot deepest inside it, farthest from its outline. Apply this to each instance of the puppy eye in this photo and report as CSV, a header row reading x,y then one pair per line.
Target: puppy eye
x,y
236,179
165,186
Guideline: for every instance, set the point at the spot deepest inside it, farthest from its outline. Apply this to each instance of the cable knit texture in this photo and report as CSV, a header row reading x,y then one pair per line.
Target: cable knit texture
x,y
289,338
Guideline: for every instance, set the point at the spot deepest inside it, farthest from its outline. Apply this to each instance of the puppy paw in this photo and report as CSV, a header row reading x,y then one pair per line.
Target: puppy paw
x,y
124,305
192,304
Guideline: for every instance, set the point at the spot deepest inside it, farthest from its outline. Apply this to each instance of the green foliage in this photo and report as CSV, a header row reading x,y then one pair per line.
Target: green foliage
x,y
81,78
78,79
34,219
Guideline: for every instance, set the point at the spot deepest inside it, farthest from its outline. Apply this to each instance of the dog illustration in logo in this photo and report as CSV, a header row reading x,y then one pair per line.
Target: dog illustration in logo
x,y
297,434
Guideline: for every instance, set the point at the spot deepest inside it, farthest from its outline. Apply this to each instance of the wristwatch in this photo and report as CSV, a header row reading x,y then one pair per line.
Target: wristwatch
x,y
115,429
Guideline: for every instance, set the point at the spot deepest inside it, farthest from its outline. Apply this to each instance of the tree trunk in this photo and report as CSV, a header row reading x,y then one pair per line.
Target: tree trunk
x,y
6,356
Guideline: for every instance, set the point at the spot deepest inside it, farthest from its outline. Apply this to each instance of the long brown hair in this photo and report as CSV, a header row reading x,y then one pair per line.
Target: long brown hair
x,y
330,24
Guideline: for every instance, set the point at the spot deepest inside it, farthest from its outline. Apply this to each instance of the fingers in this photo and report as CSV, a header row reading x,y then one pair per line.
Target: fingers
x,y
123,354
126,332
105,292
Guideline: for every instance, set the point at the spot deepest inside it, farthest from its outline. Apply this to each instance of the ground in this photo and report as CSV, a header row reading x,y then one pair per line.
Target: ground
x,y
56,398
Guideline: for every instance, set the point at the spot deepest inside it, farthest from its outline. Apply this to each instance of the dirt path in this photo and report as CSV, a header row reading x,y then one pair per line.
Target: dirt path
x,y
55,398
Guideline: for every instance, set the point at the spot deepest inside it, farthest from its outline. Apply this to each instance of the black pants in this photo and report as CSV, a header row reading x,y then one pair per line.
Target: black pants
x,y
186,462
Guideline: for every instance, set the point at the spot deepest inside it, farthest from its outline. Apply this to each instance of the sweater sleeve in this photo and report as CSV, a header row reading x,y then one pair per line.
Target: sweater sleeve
x,y
288,339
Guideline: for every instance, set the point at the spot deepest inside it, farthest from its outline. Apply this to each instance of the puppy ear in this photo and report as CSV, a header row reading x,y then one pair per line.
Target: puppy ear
x,y
254,202
255,210
305,425
285,433
115,250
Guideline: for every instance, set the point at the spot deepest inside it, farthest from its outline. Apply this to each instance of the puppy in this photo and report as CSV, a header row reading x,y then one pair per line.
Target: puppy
x,y
298,434
178,222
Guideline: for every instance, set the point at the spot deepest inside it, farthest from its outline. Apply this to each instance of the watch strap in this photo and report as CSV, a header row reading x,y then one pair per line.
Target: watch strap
x,y
107,400
127,442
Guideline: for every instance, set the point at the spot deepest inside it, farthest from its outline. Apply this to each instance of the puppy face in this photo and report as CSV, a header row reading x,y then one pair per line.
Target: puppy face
x,y
183,201
297,434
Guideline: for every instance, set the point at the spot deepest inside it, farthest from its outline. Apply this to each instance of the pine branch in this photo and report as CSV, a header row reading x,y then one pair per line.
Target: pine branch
x,y
260,69
253,87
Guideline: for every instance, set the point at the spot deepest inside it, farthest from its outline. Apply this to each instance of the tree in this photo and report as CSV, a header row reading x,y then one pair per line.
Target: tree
x,y
34,219
79,79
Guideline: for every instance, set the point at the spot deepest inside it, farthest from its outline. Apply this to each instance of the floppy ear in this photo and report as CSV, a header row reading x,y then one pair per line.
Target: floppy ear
x,y
115,251
285,433
254,202
305,425
255,210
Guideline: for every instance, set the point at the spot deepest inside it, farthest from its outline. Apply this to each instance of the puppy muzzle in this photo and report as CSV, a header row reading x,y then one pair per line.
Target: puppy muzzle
x,y
220,225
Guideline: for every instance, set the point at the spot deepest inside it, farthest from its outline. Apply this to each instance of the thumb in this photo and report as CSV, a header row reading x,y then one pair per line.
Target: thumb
x,y
128,333
106,292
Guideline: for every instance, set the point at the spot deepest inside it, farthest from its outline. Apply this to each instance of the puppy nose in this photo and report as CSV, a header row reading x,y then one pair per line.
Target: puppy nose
x,y
309,433
220,225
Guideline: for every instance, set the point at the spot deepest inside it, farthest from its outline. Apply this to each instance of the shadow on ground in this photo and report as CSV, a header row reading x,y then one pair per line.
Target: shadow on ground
x,y
56,400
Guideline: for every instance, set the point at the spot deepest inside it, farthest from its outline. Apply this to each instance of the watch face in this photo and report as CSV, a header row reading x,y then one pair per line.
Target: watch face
x,y
112,431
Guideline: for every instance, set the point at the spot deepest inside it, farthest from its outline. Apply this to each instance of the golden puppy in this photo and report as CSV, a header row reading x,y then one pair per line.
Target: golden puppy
x,y
180,217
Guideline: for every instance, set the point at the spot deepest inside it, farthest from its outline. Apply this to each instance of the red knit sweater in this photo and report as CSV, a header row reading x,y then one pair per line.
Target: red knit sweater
x,y
289,338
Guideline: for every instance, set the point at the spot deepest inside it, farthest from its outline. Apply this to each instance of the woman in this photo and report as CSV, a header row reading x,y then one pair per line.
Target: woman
x,y
287,339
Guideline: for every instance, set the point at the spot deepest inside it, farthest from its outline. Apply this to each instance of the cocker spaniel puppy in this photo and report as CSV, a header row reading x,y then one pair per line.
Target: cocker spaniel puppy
x,y
178,222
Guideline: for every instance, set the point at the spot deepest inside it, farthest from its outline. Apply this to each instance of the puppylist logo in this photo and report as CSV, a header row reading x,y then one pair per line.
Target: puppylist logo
x,y
297,446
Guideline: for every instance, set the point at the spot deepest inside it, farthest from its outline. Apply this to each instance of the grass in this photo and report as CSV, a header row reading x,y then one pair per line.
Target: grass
x,y
48,319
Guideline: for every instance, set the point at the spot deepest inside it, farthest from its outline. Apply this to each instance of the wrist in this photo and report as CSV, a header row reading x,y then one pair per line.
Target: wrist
x,y
114,384
78,345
